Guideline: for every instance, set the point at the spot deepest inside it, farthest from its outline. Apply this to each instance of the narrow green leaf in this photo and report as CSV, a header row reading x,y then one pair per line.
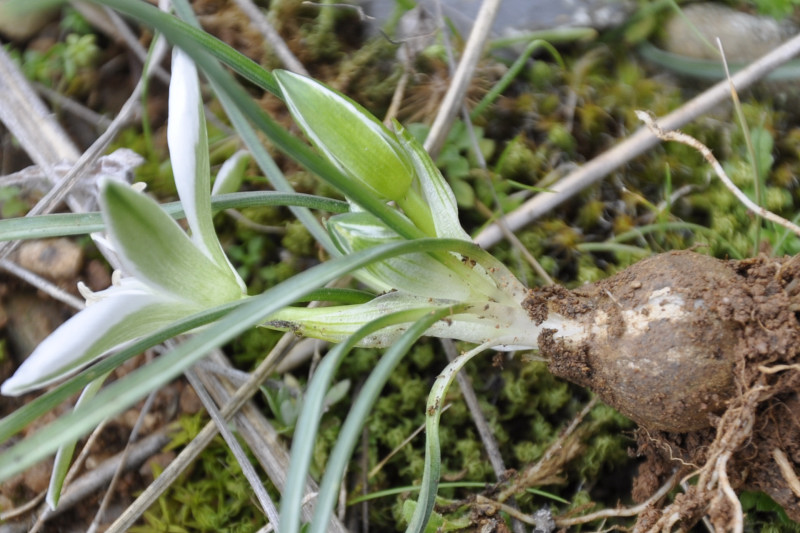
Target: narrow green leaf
x,y
356,418
64,224
66,451
123,393
433,454
308,421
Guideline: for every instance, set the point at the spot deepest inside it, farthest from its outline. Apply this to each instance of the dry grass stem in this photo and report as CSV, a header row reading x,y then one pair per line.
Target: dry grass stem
x,y
546,467
462,76
134,435
618,513
47,512
635,145
471,399
690,141
267,505
502,507
377,468
16,512
193,449
42,284
271,36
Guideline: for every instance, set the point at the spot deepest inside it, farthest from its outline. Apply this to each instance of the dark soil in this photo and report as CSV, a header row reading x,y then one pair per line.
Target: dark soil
x,y
713,381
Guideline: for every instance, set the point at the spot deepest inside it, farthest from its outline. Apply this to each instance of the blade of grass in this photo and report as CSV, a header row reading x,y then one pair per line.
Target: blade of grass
x,y
513,72
309,419
121,394
394,491
65,452
356,418
62,224
433,452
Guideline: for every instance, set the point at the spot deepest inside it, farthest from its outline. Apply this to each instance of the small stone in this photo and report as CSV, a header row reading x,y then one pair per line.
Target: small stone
x,y
30,321
189,401
56,259
744,37
20,27
97,275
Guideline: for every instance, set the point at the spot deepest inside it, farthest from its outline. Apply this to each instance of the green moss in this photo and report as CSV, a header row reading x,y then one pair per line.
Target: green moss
x,y
297,239
518,162
211,495
253,346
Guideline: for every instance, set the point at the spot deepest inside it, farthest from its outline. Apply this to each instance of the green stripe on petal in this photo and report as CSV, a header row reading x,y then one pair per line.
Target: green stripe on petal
x,y
434,189
418,274
155,249
337,323
354,140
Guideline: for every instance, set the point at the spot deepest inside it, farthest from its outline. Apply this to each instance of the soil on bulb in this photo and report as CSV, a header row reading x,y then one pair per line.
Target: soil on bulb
x,y
704,355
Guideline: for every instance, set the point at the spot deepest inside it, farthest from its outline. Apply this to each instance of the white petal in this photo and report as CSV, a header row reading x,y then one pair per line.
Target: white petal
x,y
188,147
184,133
125,314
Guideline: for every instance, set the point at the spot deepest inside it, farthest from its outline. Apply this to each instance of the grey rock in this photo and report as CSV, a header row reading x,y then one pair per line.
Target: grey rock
x,y
744,37
517,17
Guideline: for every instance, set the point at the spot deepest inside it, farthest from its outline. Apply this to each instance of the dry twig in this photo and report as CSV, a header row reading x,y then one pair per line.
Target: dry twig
x,y
688,140
635,145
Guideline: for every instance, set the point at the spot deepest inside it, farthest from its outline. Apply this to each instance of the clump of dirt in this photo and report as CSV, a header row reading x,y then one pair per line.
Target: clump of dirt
x,y
705,355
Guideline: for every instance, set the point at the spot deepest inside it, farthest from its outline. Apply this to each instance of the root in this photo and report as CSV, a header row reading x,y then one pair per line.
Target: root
x,y
735,518
787,471
688,140
713,494
611,513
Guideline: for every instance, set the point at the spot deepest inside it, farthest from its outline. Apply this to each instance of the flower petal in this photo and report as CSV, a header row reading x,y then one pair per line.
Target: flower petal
x,y
418,274
435,190
153,248
188,147
92,332
229,177
348,135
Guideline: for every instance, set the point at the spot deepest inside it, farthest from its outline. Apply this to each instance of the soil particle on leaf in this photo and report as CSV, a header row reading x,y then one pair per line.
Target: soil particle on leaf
x,y
705,355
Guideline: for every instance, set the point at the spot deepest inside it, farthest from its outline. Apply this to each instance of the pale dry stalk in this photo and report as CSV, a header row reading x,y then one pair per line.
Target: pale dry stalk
x,y
615,513
549,464
683,138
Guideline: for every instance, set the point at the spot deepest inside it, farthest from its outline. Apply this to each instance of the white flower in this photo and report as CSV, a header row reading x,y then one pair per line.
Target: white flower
x,y
170,274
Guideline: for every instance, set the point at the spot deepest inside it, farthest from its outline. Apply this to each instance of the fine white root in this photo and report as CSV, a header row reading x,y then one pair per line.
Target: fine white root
x,y
737,520
787,471
777,368
688,140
